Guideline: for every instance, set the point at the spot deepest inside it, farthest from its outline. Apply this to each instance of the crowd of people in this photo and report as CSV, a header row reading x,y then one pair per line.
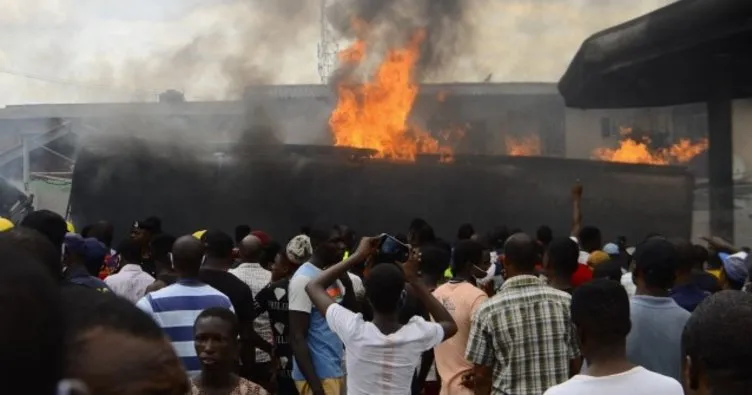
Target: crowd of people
x,y
503,313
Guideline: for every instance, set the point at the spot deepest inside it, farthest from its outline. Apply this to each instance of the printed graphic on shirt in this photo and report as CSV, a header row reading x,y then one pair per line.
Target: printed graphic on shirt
x,y
335,293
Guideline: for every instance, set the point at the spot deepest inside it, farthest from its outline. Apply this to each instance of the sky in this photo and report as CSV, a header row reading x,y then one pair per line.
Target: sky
x,y
66,51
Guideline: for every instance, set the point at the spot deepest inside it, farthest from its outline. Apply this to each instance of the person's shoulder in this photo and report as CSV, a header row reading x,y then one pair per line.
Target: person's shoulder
x,y
658,383
556,294
298,282
569,387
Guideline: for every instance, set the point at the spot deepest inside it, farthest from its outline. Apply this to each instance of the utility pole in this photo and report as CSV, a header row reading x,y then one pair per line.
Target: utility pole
x,y
327,48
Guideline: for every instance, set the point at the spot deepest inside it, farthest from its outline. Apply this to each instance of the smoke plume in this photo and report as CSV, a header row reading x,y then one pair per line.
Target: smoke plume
x,y
88,51
389,24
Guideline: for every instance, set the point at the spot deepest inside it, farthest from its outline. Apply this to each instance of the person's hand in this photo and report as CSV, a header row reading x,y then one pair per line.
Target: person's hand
x,y
719,244
468,380
412,266
489,288
368,246
577,190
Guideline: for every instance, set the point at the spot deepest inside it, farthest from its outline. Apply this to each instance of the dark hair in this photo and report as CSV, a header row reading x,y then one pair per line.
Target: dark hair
x,y
241,231
86,230
716,338
49,224
610,270
187,253
36,245
385,285
222,314
497,237
656,261
465,232
684,253
102,231
218,244
466,253
563,254
519,250
590,238
30,329
87,309
600,308
434,260
152,224
544,235
424,235
130,250
161,246
417,223
269,252
699,256
318,238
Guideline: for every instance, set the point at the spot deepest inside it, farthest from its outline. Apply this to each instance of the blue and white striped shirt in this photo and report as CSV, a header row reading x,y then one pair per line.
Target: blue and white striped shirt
x,y
175,308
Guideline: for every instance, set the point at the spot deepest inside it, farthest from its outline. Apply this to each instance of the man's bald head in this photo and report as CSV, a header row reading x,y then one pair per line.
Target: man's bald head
x,y
519,252
251,248
187,254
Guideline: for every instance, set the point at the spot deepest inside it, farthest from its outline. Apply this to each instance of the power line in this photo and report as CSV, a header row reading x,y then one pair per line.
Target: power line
x,y
77,84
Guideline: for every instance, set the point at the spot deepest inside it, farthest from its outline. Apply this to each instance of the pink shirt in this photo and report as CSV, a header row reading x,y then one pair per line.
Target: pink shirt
x,y
461,300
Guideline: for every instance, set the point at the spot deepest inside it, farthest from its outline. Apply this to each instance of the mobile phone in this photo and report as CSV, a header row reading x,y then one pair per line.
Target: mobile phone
x,y
392,250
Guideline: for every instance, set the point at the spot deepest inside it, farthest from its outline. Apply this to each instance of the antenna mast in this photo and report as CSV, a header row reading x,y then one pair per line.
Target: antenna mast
x,y
327,47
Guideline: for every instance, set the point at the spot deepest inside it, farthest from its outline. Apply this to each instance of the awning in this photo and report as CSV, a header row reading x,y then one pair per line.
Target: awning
x,y
677,54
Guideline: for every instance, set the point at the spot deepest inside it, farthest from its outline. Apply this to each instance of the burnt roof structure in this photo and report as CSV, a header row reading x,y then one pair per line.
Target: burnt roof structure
x,y
687,52
666,57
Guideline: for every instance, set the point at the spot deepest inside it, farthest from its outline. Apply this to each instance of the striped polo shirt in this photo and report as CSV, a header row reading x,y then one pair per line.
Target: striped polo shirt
x,y
175,308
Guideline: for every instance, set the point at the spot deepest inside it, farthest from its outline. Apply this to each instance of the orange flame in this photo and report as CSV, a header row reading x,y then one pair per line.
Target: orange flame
x,y
523,146
633,151
374,114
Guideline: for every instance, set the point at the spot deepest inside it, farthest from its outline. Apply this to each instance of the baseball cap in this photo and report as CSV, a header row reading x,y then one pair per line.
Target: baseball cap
x,y
88,247
735,266
5,224
263,236
199,234
656,257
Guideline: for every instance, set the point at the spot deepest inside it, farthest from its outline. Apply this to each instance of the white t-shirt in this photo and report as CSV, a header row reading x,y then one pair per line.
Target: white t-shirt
x,y
637,381
377,363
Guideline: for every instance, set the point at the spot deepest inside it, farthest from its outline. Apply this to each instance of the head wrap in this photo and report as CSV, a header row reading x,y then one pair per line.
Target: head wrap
x,y
299,249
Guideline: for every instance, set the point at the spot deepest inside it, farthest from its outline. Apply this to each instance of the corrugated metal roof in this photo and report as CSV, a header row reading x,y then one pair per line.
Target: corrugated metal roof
x,y
95,110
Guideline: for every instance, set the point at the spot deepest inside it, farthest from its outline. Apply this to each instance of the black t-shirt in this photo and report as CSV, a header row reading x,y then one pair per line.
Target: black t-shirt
x,y
273,299
706,281
239,293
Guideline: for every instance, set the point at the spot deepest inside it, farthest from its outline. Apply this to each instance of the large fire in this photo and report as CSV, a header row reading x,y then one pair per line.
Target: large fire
x,y
523,146
374,114
631,150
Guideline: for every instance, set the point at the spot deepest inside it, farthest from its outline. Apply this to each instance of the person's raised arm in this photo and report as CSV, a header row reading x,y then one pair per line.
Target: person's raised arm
x,y
576,209
432,305
316,288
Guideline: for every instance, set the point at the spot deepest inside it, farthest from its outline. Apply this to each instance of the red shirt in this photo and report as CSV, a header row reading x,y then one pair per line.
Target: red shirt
x,y
582,275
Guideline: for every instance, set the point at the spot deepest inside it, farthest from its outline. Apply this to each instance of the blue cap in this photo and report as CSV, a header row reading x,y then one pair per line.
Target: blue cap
x,y
88,247
735,266
611,249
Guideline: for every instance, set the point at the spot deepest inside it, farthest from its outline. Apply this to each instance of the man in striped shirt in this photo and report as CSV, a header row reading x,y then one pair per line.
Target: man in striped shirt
x,y
175,308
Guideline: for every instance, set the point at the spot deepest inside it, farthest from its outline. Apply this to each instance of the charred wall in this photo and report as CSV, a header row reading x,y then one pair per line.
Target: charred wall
x,y
279,190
